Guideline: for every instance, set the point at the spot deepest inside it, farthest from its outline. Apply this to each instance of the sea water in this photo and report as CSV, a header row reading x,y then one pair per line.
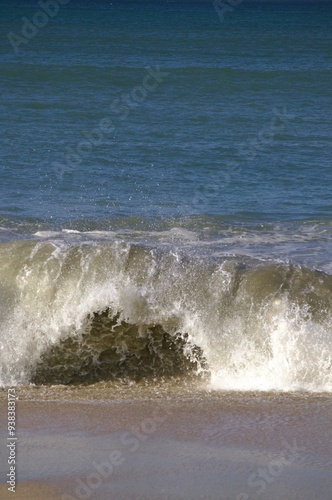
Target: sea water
x,y
165,193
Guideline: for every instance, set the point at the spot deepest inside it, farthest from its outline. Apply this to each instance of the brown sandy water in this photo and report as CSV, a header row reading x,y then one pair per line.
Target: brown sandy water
x,y
130,443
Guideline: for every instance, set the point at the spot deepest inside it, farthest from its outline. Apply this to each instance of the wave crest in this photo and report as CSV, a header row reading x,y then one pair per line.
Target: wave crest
x,y
81,312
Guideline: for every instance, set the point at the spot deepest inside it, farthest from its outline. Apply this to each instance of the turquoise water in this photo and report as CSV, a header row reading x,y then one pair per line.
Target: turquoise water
x,y
133,128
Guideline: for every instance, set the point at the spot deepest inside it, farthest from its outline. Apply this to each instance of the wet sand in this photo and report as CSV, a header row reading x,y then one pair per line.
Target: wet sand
x,y
227,446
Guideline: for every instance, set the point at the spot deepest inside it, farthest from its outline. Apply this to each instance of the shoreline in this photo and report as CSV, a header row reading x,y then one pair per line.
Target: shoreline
x,y
245,445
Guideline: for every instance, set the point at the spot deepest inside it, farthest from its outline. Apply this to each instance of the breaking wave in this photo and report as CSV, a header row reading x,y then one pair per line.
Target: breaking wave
x,y
76,313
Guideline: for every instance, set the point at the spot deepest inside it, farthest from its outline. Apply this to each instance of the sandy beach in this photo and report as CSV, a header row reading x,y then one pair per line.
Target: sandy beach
x,y
228,446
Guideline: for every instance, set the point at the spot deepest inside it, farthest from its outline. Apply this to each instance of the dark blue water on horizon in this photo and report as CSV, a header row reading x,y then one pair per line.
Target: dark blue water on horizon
x,y
142,117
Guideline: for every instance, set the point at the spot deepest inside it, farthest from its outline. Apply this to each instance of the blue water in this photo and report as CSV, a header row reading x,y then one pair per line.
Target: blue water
x,y
207,140
166,176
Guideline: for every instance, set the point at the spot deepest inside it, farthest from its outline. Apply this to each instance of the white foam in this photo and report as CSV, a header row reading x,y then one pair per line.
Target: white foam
x,y
254,336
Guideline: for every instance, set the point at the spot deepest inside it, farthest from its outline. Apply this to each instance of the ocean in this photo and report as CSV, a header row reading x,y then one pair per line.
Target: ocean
x,y
165,196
